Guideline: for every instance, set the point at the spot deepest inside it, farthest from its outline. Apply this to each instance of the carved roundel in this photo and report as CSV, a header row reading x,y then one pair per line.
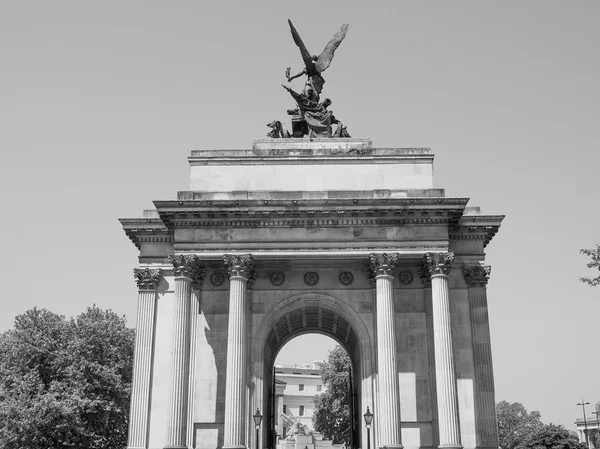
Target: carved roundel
x,y
406,277
217,279
311,278
346,278
277,278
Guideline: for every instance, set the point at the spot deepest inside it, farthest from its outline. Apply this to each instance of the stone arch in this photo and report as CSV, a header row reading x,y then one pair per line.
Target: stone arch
x,y
312,313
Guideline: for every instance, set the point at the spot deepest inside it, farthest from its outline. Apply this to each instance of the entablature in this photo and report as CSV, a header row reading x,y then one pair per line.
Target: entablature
x,y
311,212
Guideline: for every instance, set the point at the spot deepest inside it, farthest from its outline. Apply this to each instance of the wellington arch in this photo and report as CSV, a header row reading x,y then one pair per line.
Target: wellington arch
x,y
327,235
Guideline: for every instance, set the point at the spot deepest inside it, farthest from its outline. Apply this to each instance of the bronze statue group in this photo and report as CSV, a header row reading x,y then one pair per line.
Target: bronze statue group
x,y
311,116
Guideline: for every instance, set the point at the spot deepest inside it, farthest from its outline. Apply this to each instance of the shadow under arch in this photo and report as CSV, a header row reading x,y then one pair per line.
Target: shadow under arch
x,y
311,313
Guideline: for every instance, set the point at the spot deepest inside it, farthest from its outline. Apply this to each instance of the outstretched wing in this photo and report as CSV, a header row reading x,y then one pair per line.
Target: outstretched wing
x,y
327,54
308,62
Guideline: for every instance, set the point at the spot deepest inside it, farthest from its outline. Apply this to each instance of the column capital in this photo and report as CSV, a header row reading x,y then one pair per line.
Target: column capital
x,y
240,265
438,263
382,265
425,276
146,278
476,276
190,267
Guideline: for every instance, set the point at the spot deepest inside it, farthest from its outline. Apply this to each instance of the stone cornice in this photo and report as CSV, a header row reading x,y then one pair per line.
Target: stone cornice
x,y
188,266
280,151
241,265
477,275
306,213
438,263
144,230
146,278
476,227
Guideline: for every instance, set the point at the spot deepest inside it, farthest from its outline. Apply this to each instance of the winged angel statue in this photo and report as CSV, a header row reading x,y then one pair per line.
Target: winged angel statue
x,y
311,116
315,65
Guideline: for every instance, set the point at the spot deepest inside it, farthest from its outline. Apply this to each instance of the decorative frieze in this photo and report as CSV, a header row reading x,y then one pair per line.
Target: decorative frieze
x,y
383,264
346,278
146,278
476,276
217,278
277,278
405,277
311,278
190,267
438,263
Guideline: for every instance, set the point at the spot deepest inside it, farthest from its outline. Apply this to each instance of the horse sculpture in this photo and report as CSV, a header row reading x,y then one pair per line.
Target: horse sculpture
x,y
277,130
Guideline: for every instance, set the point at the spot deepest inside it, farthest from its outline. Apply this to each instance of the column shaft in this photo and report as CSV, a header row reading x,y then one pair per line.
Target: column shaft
x,y
387,371
447,398
485,402
235,386
142,370
180,353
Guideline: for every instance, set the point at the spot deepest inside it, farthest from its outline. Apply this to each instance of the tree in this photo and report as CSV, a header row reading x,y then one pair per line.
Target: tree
x,y
65,383
515,424
331,415
551,436
595,263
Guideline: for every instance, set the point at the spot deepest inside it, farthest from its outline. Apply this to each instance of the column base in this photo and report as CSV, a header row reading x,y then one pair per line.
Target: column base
x,y
391,446
235,446
170,446
450,446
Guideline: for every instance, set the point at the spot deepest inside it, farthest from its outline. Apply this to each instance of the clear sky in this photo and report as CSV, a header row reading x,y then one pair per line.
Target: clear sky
x,y
101,103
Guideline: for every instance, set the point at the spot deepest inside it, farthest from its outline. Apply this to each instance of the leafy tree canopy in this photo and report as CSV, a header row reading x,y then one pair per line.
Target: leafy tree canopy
x,y
595,263
331,416
551,436
65,383
515,424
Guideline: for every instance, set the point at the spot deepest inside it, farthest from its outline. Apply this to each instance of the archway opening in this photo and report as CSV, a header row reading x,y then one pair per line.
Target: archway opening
x,y
313,321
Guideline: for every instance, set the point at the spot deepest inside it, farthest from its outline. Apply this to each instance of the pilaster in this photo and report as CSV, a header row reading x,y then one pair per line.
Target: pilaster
x,y
476,278
147,281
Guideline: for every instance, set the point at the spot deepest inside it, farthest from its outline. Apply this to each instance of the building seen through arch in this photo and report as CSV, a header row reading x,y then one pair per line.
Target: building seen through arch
x,y
296,236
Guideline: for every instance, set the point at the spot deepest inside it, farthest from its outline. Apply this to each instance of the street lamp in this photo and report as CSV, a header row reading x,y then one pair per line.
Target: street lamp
x,y
257,420
368,421
583,404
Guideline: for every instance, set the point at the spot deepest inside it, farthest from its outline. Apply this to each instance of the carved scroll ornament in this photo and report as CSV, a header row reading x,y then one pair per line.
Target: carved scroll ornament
x,y
146,278
383,264
188,266
438,263
476,276
242,266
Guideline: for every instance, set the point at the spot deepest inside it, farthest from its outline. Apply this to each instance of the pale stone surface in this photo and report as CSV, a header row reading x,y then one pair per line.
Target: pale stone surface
x,y
302,219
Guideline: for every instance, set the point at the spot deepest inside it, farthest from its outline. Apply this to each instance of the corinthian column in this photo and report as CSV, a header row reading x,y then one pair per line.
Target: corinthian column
x,y
486,423
438,265
383,268
147,281
241,269
187,270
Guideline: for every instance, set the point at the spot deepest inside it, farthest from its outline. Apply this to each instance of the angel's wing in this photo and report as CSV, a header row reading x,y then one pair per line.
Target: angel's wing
x,y
308,62
327,54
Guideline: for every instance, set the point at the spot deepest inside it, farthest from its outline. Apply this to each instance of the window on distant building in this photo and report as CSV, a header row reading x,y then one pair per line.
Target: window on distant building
x,y
284,408
300,387
301,411
319,387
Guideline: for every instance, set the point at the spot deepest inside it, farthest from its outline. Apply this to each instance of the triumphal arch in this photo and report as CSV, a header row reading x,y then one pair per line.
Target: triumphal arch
x,y
293,236
312,231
